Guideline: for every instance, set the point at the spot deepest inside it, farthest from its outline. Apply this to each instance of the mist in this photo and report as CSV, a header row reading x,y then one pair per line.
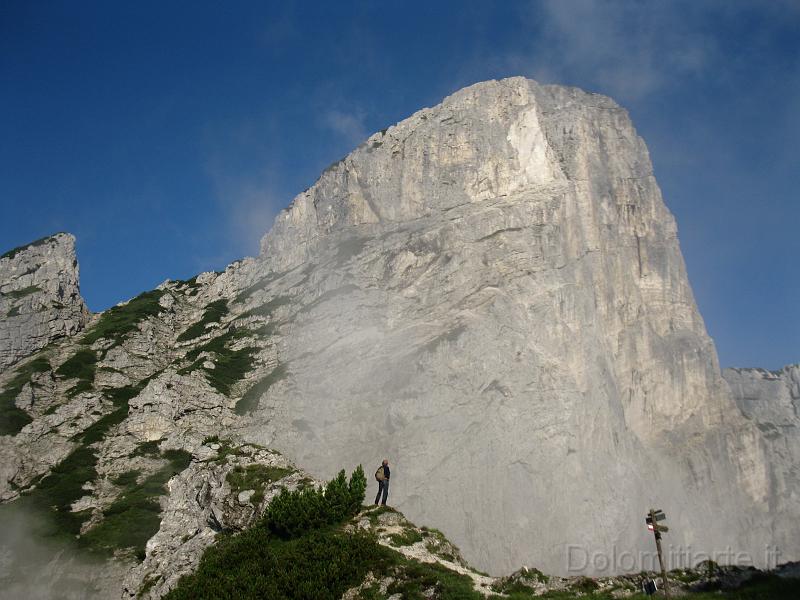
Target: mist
x,y
34,564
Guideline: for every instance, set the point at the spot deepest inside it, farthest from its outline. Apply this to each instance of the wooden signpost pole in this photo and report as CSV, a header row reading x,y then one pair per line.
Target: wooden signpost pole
x,y
656,516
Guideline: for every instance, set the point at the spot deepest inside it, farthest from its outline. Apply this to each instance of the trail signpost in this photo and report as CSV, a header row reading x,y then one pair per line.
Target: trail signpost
x,y
652,520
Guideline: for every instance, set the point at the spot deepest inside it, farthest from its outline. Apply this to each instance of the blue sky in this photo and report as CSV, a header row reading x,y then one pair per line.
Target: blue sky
x,y
166,136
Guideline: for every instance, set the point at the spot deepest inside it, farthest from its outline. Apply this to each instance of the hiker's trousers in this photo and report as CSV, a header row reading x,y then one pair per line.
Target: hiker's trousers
x,y
383,488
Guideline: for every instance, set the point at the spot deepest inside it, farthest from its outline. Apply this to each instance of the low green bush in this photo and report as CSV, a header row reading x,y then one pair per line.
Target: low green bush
x,y
255,477
12,418
57,491
81,366
213,313
135,516
147,449
320,565
120,320
291,514
230,366
291,552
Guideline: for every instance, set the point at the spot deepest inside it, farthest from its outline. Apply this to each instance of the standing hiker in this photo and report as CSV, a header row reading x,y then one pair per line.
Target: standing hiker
x,y
382,477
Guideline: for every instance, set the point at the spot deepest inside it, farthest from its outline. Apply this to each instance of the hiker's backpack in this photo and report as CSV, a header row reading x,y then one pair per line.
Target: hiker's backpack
x,y
379,474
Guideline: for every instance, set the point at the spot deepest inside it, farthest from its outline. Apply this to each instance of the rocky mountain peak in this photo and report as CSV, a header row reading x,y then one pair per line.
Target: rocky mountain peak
x,y
40,297
490,293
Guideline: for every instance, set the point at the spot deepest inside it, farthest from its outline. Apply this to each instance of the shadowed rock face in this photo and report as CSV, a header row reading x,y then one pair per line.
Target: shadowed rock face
x,y
494,297
40,298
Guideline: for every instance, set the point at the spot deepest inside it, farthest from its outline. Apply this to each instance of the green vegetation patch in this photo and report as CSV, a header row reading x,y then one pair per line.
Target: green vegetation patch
x,y
255,477
213,313
408,537
127,478
13,311
314,560
256,287
56,492
230,366
120,320
414,579
268,308
373,515
321,565
22,292
12,418
147,449
292,514
135,516
249,401
81,366
189,286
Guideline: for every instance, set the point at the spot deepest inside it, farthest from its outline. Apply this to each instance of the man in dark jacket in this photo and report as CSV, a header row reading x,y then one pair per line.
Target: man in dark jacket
x,y
383,484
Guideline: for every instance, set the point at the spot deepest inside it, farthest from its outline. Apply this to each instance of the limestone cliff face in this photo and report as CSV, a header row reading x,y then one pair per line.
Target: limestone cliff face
x,y
771,400
40,298
491,293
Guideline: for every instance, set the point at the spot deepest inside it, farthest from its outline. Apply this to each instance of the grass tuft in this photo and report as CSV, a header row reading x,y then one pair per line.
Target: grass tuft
x,y
255,477
408,537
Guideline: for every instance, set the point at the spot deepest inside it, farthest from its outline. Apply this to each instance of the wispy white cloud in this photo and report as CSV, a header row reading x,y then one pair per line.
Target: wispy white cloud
x,y
349,125
625,48
249,203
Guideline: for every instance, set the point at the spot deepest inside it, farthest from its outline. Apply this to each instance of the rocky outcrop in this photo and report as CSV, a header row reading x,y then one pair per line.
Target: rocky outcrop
x,y
204,500
771,400
492,294
40,297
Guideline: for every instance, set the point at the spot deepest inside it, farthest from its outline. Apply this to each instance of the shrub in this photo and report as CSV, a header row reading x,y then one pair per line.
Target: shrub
x,y
315,561
146,449
292,514
266,309
320,565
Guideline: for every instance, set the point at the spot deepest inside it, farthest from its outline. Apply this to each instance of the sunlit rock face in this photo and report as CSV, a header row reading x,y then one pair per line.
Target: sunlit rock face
x,y
40,298
492,295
